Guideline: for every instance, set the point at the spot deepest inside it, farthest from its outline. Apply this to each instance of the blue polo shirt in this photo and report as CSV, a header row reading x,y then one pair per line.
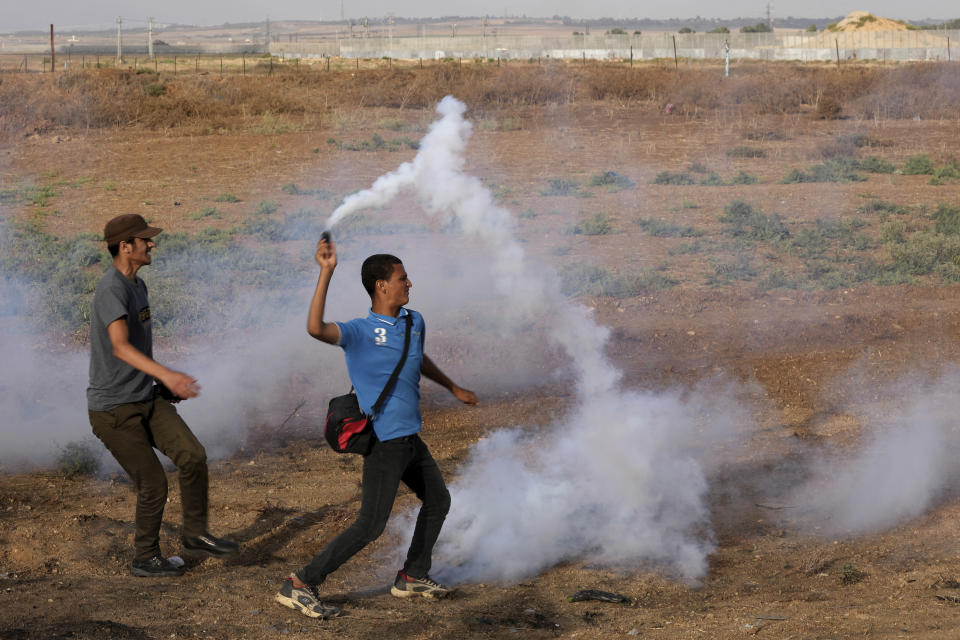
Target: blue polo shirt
x,y
372,347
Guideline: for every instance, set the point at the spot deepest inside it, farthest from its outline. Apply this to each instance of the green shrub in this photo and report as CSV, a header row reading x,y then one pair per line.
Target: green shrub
x,y
155,89
39,195
661,229
813,241
874,164
713,180
265,228
746,152
687,248
725,272
849,574
226,197
829,276
377,142
293,189
836,169
922,252
893,232
78,459
744,178
752,224
668,177
767,134
62,272
946,174
778,279
611,179
947,219
206,212
918,165
808,242
596,225
560,187
583,279
393,124
860,140
266,207
883,207
697,167
272,124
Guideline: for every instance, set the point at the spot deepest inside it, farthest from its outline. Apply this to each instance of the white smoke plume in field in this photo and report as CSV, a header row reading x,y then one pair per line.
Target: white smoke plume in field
x,y
38,386
436,174
618,480
905,462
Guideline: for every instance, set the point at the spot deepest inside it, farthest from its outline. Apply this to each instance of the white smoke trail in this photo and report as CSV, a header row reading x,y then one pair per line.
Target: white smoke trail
x,y
436,175
616,482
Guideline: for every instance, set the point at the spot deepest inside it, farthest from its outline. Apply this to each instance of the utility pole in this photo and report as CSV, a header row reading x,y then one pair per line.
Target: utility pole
x,y
770,15
150,37
119,41
53,53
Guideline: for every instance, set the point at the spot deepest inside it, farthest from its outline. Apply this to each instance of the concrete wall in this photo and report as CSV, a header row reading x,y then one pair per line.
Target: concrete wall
x,y
864,45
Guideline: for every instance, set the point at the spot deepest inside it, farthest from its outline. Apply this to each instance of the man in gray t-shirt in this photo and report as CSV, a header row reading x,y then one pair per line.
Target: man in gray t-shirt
x,y
129,403
113,381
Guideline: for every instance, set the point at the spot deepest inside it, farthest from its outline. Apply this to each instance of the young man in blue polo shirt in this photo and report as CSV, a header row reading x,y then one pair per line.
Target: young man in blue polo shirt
x,y
373,346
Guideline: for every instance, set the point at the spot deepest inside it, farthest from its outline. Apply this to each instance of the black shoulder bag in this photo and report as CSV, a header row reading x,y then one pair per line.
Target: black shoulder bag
x,y
350,430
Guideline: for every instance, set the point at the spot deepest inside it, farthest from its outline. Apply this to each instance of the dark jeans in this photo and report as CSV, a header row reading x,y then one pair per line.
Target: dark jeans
x,y
389,463
130,432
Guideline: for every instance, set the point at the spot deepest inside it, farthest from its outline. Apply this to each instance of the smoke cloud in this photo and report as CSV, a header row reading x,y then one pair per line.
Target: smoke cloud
x,y
617,481
38,386
903,466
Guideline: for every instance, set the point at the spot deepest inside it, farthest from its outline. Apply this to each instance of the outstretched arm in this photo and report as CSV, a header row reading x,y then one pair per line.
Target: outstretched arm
x,y
329,332
431,371
181,384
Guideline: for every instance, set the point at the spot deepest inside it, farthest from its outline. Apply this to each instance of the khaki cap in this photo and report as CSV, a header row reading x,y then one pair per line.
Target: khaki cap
x,y
129,225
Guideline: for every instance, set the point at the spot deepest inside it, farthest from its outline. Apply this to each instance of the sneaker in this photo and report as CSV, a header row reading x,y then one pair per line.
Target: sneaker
x,y
155,567
210,545
405,586
306,600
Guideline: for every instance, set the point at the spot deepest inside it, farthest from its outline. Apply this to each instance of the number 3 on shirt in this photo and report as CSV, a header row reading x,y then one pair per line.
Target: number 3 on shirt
x,y
380,335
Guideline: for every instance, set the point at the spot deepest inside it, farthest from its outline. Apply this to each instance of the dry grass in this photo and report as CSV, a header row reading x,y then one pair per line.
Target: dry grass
x,y
120,98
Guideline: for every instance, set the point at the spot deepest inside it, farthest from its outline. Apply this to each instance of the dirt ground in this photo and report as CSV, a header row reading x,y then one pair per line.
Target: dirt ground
x,y
65,543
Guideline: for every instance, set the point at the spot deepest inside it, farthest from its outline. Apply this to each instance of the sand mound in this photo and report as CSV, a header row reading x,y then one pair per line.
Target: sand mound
x,y
864,21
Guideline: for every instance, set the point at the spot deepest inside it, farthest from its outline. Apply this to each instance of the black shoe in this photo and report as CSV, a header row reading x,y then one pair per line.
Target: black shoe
x,y
210,545
155,567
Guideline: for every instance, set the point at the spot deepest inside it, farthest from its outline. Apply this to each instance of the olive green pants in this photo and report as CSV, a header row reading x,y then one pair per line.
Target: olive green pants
x,y
130,432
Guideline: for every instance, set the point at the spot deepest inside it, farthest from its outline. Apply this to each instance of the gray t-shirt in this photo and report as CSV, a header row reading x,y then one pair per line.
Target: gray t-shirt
x,y
113,381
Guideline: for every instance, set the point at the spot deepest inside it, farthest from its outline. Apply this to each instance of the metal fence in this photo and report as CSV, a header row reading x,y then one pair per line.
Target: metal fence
x,y
175,63
803,46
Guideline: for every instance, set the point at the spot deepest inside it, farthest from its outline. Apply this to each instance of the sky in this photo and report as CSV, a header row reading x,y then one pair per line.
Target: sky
x,y
103,14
